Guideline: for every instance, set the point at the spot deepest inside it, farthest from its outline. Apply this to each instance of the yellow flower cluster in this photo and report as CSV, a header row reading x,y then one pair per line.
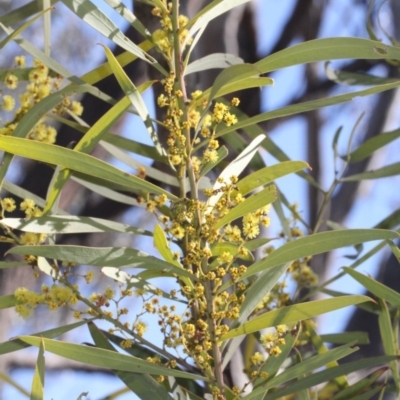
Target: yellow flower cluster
x,y
54,297
164,37
40,85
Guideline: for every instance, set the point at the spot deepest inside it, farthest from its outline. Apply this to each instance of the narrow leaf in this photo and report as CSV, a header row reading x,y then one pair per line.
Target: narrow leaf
x,y
76,161
70,224
101,257
317,244
376,288
268,174
384,172
236,167
135,98
37,390
94,17
294,313
105,358
142,385
251,204
213,61
7,301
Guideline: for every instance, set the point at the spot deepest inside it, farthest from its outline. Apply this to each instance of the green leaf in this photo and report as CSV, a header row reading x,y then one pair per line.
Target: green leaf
x,y
7,301
235,168
389,342
329,374
294,313
11,264
346,337
85,145
316,244
305,106
23,12
16,344
105,358
384,172
213,61
70,224
231,75
376,288
37,390
133,146
101,257
143,385
259,289
360,386
210,12
128,15
328,49
94,17
302,368
219,248
18,31
135,98
7,379
269,174
251,204
244,84
395,250
354,78
161,244
77,161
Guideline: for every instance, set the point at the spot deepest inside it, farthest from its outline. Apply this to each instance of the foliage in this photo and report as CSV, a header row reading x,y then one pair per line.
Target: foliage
x,y
209,210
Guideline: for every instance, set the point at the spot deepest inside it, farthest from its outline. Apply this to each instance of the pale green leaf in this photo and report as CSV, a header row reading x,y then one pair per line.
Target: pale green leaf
x,y
244,84
210,12
388,339
16,344
328,49
395,250
218,249
70,224
259,289
94,17
85,145
101,257
327,375
142,385
135,98
346,337
354,78
294,313
360,386
12,264
105,358
108,193
77,161
161,244
316,244
306,106
21,13
47,269
231,75
302,368
18,31
251,204
213,61
7,379
37,390
384,172
235,168
128,15
376,288
268,174
7,301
